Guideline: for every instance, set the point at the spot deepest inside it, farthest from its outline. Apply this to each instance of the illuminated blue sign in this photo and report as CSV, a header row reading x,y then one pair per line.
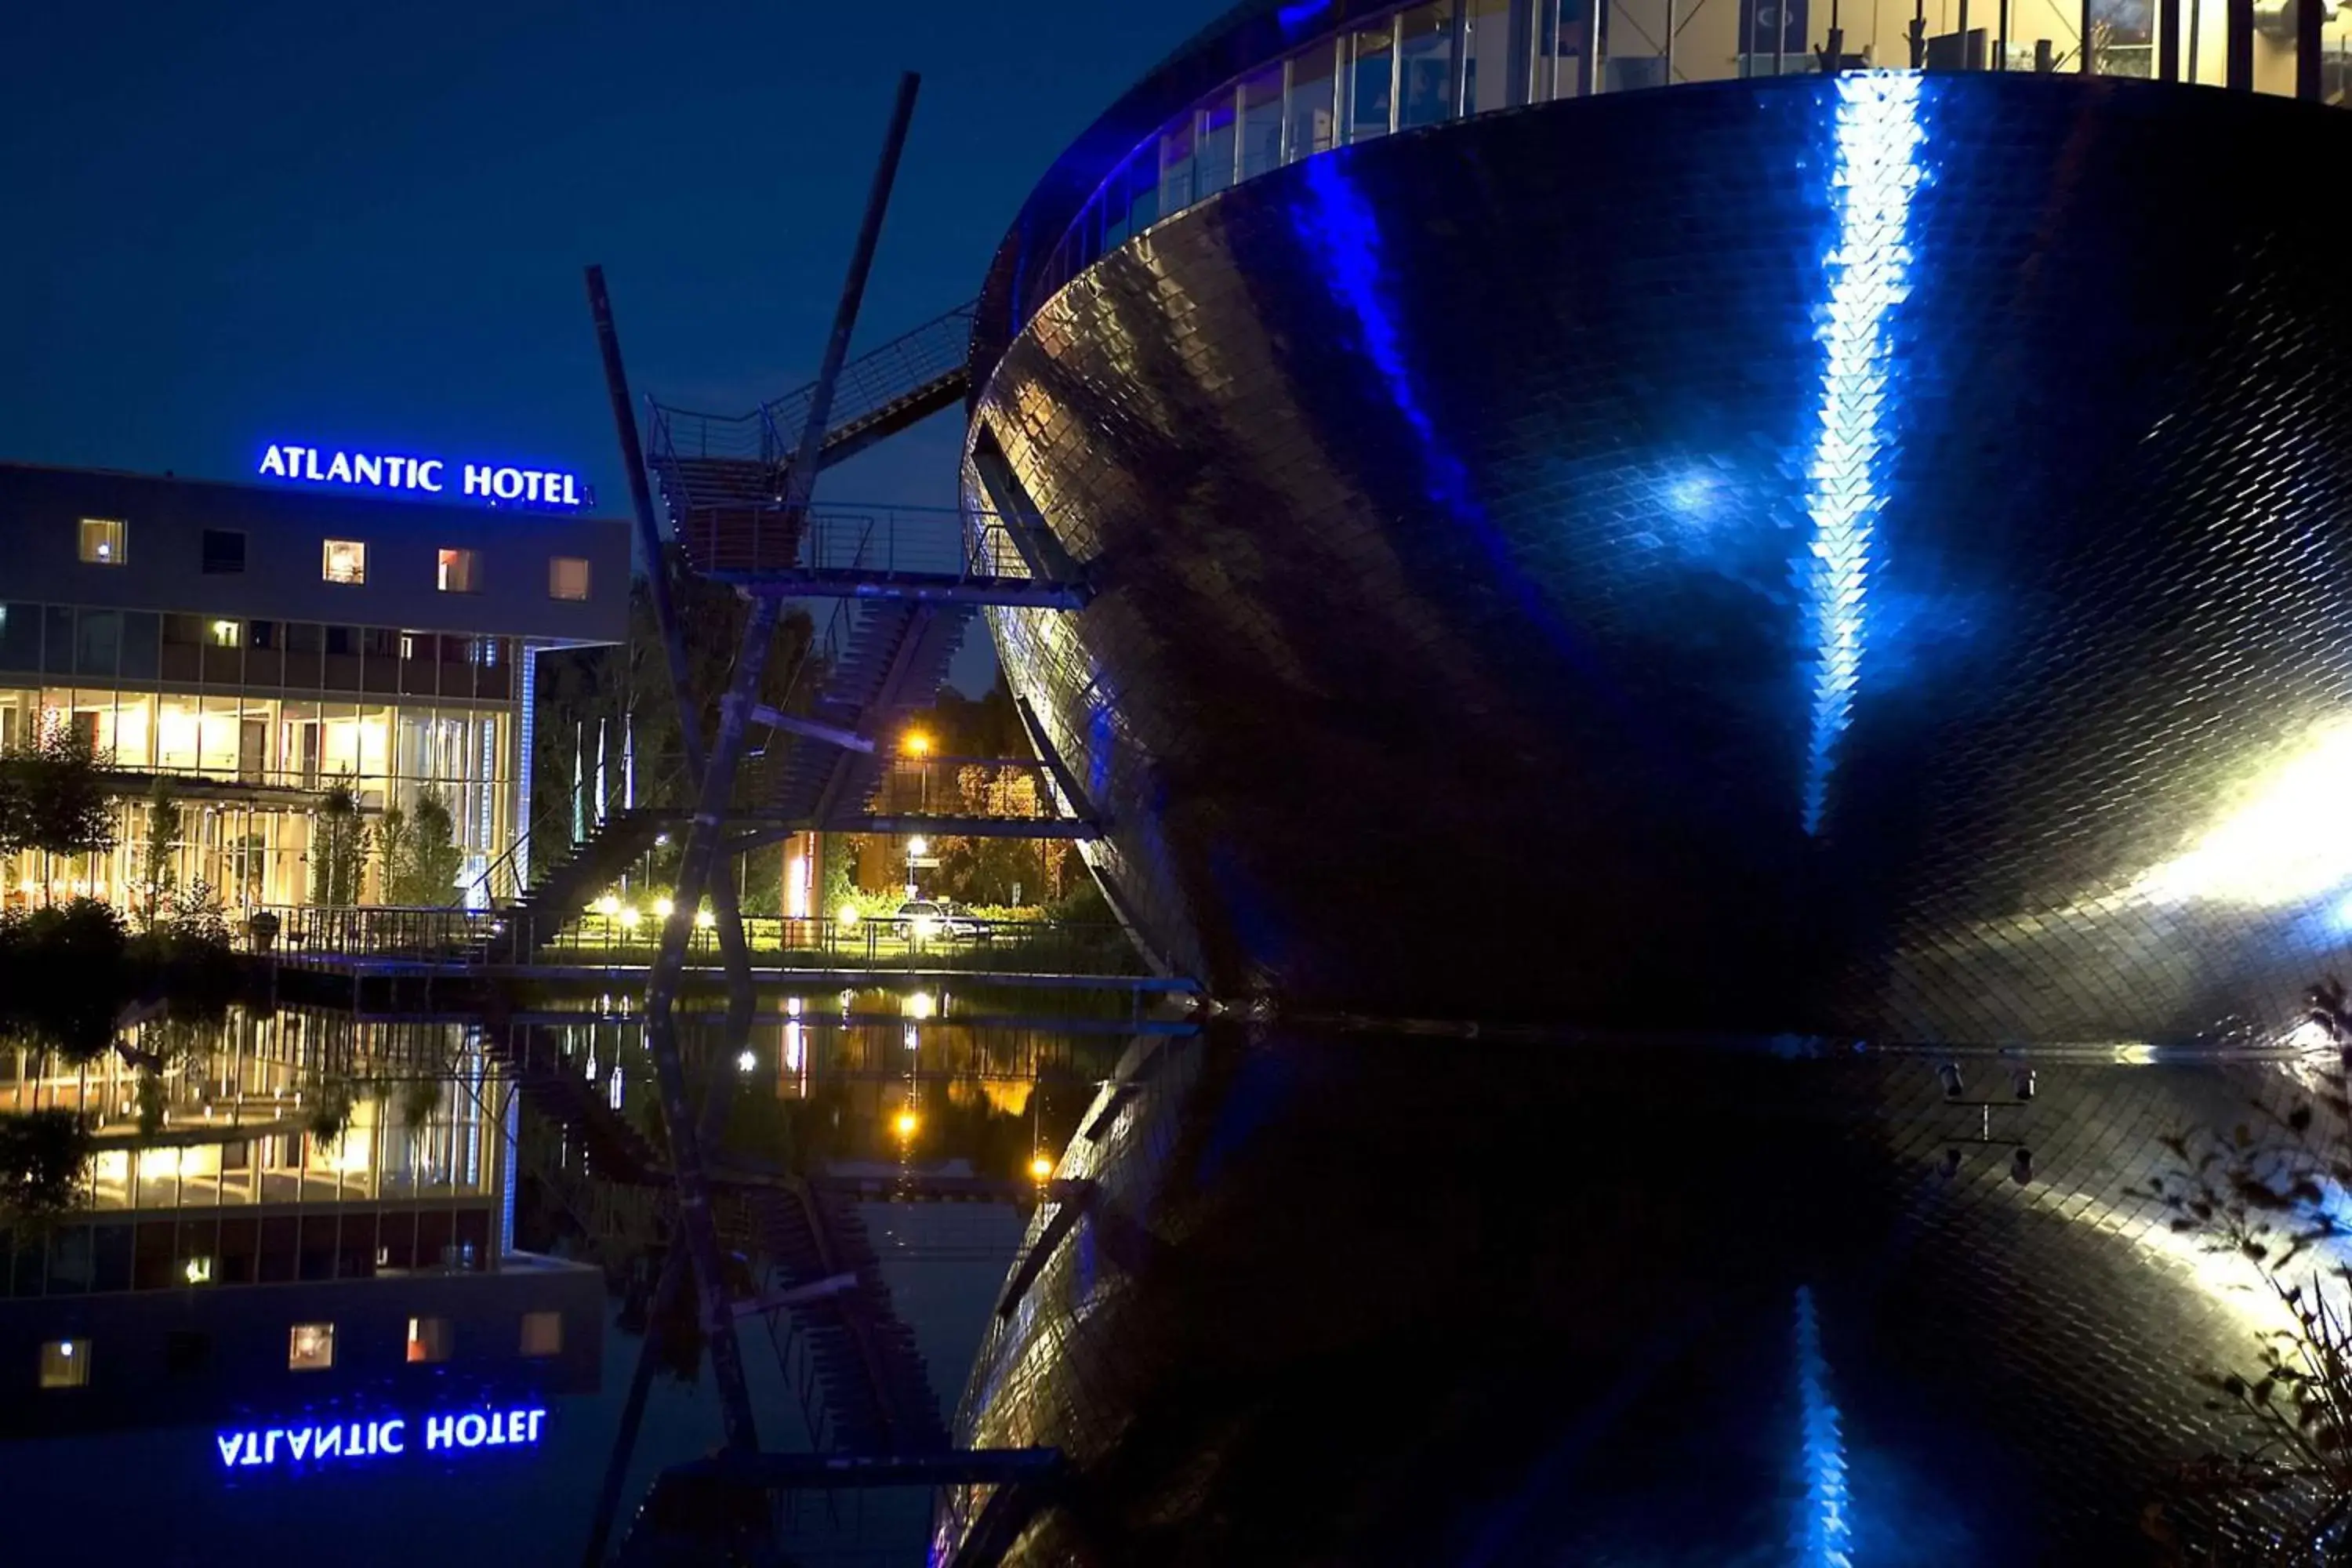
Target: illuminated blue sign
x,y
489,483
364,1441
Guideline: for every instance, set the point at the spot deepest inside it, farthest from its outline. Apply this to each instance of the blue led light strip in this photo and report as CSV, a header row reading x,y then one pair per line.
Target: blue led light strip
x,y
1824,1536
1876,170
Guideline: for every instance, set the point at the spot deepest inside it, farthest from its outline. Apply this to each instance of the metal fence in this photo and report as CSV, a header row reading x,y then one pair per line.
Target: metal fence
x,y
628,937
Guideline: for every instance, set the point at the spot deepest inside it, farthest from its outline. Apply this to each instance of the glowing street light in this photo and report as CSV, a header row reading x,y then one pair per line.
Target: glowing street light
x,y
704,920
906,1123
607,906
662,908
918,744
1041,1167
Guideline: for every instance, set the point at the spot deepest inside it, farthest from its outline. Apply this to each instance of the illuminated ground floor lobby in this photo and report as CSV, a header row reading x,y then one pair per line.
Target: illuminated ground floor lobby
x,y
248,774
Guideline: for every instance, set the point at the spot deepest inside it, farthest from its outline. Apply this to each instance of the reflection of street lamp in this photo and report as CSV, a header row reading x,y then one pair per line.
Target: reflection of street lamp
x,y
906,1123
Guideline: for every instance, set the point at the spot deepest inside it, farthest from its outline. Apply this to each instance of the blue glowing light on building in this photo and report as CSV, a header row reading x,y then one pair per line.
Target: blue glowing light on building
x,y
1824,1533
490,484
1341,230
1876,169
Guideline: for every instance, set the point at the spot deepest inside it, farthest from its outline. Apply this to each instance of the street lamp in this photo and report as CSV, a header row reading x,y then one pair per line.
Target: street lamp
x,y
917,745
917,847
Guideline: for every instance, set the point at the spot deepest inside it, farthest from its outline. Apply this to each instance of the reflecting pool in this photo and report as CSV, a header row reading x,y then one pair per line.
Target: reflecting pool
x,y
372,1289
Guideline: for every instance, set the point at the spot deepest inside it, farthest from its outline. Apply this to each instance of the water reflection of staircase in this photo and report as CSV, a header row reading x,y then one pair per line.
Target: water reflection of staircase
x,y
877,1388
556,1087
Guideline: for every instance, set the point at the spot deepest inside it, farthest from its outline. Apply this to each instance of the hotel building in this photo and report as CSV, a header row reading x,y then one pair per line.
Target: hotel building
x,y
256,644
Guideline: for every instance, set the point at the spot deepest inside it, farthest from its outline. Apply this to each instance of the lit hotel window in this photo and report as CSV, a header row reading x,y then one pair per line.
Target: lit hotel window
x,y
542,1333
311,1347
428,1338
102,542
461,572
224,634
346,561
567,577
64,1364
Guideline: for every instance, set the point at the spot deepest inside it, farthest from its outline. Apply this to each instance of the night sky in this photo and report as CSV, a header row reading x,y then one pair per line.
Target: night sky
x,y
229,225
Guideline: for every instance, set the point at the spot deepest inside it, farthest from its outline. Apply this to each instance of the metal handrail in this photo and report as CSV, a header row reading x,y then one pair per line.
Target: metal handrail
x,y
883,375
880,945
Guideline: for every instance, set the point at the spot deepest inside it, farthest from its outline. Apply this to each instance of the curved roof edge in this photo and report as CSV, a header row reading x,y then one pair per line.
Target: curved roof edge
x,y
1248,36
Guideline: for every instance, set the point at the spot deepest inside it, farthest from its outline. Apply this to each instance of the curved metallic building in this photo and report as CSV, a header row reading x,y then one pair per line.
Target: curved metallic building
x,y
1866,555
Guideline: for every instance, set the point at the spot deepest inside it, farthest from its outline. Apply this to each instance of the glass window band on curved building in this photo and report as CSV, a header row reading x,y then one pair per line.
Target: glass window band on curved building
x,y
1367,71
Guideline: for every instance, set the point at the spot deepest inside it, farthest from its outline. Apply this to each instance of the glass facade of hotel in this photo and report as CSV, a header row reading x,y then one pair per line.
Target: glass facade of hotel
x,y
254,720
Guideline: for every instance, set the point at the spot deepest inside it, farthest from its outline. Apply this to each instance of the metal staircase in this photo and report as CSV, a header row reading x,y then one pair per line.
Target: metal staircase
x,y
560,893
724,476
892,666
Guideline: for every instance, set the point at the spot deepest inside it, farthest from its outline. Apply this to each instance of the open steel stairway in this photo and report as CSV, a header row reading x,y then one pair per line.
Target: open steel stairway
x,y
564,891
891,666
723,477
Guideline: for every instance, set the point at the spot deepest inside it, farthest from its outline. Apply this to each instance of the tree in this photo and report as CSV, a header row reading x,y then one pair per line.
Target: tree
x,y
421,858
339,849
157,870
2268,1193
55,793
63,978
42,1153
629,685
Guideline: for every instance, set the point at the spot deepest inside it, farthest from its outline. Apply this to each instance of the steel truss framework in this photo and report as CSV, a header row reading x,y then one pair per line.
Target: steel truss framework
x,y
778,508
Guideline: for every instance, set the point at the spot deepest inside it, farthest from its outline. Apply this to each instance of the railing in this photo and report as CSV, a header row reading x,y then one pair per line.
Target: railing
x,y
1008,789
682,433
876,380
555,824
869,385
383,931
929,544
829,943
629,936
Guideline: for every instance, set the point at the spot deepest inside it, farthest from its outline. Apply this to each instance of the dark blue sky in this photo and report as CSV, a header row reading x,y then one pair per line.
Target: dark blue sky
x,y
223,225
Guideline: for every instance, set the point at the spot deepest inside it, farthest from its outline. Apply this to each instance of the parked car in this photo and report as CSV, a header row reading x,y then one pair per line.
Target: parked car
x,y
935,920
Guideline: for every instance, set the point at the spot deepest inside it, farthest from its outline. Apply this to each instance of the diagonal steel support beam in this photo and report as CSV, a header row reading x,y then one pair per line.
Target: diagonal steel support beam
x,y
696,1225
809,729
727,1367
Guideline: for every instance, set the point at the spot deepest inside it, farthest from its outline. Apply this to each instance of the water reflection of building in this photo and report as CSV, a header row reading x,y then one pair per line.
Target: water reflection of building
x,y
298,1207
255,646
1591,1303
